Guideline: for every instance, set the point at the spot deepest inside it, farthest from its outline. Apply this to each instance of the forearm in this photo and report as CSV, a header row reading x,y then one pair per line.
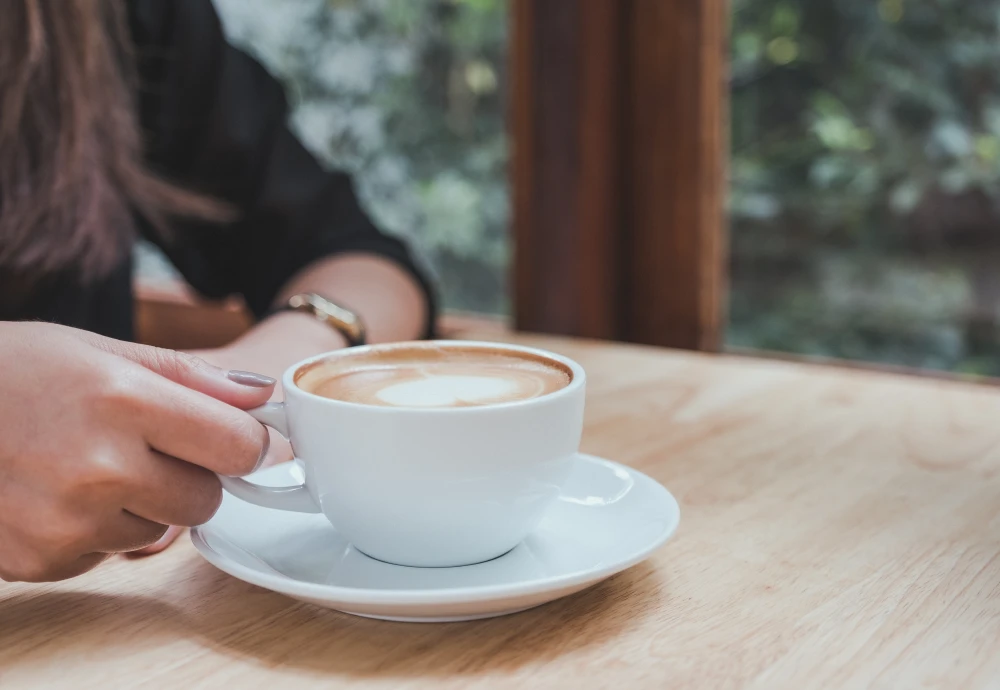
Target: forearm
x,y
387,298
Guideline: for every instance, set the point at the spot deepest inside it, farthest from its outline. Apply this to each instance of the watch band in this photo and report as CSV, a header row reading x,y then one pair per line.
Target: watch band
x,y
343,320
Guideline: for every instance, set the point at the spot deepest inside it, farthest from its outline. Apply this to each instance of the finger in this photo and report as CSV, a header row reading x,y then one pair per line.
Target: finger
x,y
163,542
64,571
241,389
280,450
193,427
128,532
169,491
80,566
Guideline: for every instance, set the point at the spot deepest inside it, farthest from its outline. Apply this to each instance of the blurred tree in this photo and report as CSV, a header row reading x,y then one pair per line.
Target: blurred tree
x,y
865,179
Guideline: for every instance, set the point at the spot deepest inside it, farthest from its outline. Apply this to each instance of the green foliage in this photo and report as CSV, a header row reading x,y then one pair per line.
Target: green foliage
x,y
849,118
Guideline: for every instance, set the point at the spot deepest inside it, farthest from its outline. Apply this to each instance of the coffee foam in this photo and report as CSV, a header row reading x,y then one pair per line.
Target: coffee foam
x,y
448,390
428,377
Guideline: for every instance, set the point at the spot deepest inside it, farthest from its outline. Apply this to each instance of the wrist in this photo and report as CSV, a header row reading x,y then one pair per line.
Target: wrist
x,y
278,342
299,331
330,313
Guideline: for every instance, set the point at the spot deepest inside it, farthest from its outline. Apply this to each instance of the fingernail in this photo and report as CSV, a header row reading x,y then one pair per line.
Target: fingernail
x,y
263,450
159,545
248,378
169,536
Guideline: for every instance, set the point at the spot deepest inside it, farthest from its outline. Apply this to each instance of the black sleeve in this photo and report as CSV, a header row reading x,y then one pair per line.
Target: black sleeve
x,y
215,122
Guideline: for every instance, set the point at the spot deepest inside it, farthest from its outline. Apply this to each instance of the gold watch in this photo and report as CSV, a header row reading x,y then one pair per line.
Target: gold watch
x,y
342,320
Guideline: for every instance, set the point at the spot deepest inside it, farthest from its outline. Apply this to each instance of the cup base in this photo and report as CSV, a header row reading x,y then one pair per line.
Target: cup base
x,y
463,564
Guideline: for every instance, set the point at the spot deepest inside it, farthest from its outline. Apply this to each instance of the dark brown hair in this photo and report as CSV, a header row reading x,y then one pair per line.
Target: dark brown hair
x,y
71,168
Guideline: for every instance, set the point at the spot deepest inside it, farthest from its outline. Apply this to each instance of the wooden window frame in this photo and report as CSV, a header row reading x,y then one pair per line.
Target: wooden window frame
x,y
619,152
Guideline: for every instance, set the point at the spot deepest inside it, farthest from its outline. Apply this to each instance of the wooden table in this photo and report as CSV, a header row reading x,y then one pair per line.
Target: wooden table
x,y
839,529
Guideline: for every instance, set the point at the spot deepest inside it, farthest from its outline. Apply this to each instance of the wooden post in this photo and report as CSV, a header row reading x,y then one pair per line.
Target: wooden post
x,y
618,173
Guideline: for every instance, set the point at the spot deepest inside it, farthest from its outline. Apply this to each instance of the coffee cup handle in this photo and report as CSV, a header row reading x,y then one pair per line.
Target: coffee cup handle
x,y
293,498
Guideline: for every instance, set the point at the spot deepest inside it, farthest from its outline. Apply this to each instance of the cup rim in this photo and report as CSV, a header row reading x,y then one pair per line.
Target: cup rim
x,y
577,382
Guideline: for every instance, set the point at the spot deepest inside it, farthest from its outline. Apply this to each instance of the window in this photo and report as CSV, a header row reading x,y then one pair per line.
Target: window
x,y
865,180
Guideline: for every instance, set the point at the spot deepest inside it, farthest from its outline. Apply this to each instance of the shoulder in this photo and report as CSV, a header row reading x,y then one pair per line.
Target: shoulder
x,y
179,51
166,24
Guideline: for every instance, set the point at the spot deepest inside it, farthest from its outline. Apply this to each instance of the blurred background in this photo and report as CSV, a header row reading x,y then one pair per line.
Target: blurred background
x,y
863,182
410,97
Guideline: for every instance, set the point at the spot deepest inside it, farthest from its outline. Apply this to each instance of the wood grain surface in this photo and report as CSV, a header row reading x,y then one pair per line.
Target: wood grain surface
x,y
840,529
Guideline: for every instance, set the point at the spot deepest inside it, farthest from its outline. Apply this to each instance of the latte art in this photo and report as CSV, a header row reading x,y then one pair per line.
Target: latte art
x,y
433,377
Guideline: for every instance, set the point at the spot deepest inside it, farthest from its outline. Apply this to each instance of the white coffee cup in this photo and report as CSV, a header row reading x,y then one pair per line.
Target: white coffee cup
x,y
429,487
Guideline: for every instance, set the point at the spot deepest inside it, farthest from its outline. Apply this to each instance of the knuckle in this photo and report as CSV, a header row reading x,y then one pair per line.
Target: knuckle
x,y
105,468
166,362
174,364
118,391
189,361
205,500
100,473
248,441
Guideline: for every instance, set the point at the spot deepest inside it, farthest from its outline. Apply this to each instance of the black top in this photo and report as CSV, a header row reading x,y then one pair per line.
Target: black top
x,y
214,122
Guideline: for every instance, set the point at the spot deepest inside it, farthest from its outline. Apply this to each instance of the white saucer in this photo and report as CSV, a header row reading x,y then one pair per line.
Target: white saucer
x,y
608,517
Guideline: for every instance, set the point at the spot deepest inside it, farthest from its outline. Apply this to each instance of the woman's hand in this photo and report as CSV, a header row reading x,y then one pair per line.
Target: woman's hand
x,y
106,443
270,348
392,304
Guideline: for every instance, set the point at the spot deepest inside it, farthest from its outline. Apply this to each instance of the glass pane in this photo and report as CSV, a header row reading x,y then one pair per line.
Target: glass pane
x,y
409,96
865,199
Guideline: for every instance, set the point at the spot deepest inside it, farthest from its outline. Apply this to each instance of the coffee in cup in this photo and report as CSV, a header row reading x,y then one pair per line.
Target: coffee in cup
x,y
427,454
434,377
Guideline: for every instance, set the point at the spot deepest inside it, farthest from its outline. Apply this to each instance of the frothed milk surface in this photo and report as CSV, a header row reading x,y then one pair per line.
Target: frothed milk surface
x,y
433,377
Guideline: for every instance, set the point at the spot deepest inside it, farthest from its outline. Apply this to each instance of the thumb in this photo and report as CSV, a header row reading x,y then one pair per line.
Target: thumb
x,y
242,389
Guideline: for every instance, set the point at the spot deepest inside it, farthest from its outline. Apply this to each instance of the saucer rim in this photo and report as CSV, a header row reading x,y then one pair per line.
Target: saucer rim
x,y
289,586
